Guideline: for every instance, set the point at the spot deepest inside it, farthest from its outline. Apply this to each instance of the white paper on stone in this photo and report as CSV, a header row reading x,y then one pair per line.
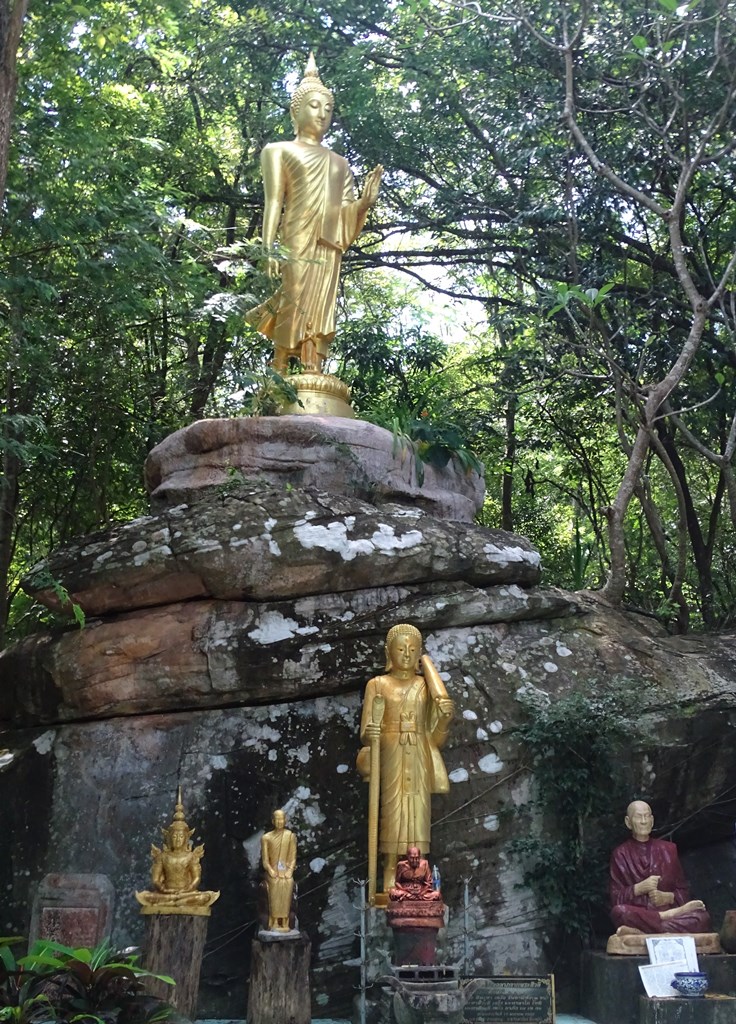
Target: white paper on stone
x,y
668,949
658,978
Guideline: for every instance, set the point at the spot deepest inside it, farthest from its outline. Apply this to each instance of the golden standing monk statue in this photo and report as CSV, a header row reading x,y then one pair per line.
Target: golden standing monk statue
x,y
278,858
405,721
176,873
310,206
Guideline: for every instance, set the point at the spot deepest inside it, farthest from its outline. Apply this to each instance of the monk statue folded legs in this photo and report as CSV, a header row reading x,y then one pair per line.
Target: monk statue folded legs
x,y
414,879
176,872
649,892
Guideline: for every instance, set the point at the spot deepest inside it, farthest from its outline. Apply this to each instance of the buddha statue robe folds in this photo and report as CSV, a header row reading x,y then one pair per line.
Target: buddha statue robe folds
x,y
278,859
311,209
176,873
416,719
321,219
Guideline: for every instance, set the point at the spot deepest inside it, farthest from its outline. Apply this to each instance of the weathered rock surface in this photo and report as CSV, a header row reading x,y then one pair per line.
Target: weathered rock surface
x,y
101,789
348,457
260,543
227,645
204,653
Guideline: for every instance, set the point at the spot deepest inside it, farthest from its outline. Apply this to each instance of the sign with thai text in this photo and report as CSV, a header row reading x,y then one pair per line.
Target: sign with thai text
x,y
510,1000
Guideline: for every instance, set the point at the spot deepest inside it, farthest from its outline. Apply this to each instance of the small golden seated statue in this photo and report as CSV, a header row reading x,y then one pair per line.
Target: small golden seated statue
x,y
176,873
278,859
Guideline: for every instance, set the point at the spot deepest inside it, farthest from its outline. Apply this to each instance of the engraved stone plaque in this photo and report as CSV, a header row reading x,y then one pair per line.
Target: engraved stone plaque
x,y
75,910
512,1001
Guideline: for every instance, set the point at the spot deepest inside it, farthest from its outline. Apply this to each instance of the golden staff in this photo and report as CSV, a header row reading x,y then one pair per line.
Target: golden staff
x,y
374,784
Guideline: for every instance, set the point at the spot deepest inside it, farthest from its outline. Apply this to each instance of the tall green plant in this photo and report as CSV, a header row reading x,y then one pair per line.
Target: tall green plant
x,y
576,748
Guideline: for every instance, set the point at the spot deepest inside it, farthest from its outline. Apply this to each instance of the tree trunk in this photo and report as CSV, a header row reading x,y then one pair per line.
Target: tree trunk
x,y
279,990
12,13
702,547
9,492
174,946
507,485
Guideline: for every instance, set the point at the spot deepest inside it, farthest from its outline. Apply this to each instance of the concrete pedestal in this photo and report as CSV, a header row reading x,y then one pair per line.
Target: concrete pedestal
x,y
611,992
415,946
415,926
711,1010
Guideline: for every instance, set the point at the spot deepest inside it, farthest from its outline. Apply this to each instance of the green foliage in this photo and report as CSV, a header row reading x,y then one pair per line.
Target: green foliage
x,y
56,983
577,750
130,236
427,442
46,581
267,394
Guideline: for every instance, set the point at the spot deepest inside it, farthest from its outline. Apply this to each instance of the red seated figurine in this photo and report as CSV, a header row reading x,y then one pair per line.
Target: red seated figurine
x,y
413,878
415,911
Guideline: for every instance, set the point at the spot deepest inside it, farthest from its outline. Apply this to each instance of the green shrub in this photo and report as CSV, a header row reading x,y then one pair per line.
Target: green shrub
x,y
54,983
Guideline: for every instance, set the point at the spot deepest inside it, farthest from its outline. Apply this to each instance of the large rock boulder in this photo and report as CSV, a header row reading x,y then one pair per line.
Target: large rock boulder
x,y
252,541
90,795
338,456
201,654
228,641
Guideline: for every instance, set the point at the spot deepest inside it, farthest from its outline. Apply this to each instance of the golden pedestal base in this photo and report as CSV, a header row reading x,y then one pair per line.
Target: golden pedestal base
x,y
636,945
321,394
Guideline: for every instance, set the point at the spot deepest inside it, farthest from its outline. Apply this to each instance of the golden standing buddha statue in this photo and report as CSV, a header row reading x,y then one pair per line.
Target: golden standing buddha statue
x,y
278,859
405,722
176,872
310,206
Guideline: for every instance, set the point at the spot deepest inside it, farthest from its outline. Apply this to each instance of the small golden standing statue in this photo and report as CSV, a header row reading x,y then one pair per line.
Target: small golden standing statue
x,y
176,872
278,858
310,206
405,721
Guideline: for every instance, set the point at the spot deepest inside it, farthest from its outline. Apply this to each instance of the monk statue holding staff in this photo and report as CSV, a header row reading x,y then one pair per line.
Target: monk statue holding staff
x,y
405,721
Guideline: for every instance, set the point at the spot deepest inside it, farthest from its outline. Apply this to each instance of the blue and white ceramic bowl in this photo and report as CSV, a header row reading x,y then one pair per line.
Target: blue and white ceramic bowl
x,y
693,984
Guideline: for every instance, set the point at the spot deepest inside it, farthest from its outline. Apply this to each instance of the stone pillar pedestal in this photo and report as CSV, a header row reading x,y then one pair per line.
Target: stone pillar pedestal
x,y
611,992
415,926
728,932
174,946
279,990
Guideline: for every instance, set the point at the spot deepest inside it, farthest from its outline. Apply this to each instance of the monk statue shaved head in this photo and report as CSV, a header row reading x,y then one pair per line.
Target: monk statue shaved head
x,y
649,892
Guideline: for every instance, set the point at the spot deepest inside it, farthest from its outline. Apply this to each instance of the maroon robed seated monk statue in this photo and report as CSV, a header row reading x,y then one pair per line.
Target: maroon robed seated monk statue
x,y
415,911
649,892
413,878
